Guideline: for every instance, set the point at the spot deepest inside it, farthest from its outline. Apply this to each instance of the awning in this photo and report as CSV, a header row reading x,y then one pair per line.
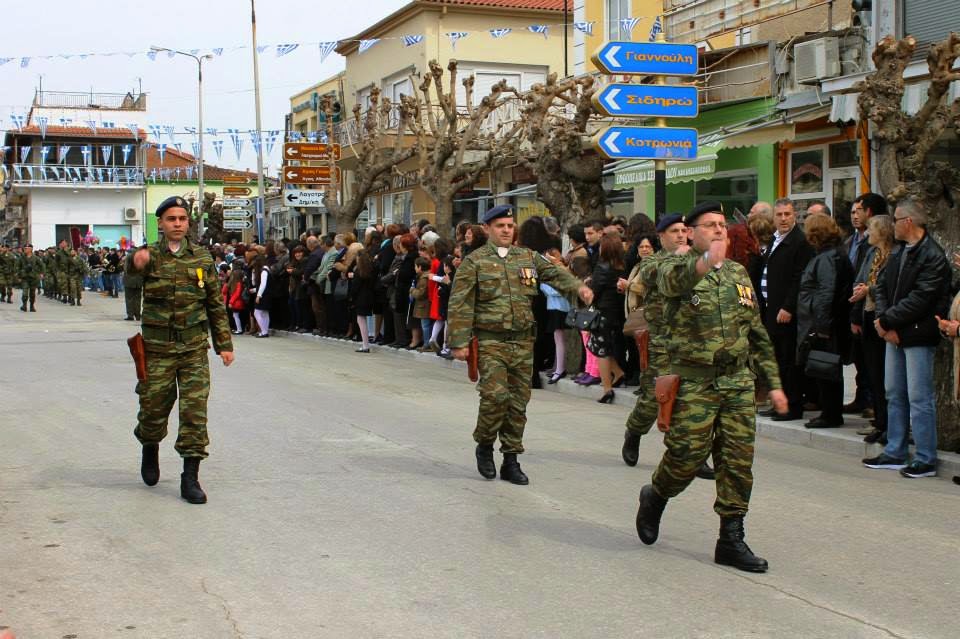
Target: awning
x,y
845,107
637,174
765,135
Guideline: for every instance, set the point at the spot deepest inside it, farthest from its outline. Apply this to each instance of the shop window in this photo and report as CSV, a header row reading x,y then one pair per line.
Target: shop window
x,y
844,154
736,191
398,208
806,172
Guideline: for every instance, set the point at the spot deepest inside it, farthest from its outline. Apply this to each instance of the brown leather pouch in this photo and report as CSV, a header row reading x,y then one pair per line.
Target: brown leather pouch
x,y
139,353
667,387
473,356
642,337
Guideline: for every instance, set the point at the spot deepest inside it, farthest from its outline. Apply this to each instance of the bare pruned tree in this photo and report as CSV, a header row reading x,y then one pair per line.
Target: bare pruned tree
x,y
457,144
377,157
907,166
569,178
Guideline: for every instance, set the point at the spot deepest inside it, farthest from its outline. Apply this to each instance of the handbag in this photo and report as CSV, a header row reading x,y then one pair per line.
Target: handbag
x,y
585,319
824,366
342,290
636,321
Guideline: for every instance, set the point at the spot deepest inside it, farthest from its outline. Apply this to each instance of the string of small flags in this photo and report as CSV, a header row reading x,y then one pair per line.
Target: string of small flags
x,y
327,47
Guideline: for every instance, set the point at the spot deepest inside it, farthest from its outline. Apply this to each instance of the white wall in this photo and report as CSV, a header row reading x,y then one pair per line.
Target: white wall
x,y
49,207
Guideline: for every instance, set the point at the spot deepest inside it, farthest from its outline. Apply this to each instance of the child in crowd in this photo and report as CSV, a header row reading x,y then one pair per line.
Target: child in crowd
x,y
580,266
420,301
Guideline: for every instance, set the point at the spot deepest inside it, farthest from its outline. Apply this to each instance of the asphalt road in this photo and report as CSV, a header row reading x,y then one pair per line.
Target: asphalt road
x,y
344,502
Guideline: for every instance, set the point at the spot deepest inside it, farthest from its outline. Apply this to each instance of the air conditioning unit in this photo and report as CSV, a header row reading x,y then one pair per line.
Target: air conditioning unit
x,y
816,60
14,212
130,215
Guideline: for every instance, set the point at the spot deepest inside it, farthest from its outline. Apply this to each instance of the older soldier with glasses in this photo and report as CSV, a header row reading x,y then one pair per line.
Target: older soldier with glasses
x,y
711,304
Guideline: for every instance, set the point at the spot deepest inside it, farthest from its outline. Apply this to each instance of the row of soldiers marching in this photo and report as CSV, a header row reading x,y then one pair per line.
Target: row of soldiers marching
x,y
58,270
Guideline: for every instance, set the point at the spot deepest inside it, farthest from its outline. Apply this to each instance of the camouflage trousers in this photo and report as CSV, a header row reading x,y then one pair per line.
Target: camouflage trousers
x,y
74,287
710,419
506,368
133,298
28,291
6,287
186,374
644,412
62,283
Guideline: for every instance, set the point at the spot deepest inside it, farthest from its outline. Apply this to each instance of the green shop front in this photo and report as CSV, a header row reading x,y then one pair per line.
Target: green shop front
x,y
737,168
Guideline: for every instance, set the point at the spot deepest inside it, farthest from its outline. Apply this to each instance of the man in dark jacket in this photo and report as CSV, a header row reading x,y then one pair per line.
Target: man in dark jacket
x,y
782,266
911,290
317,321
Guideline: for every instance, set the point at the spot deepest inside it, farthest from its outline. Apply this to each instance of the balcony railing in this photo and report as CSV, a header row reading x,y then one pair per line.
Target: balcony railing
x,y
47,174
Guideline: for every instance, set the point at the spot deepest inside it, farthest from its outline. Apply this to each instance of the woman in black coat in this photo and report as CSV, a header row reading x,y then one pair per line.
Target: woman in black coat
x,y
608,343
364,280
823,311
405,275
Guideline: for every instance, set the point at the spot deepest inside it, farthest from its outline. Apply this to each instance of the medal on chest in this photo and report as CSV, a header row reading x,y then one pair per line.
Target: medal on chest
x,y
745,295
528,276
200,277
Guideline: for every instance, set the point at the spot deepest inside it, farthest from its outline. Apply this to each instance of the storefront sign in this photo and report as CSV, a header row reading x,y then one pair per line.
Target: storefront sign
x,y
644,175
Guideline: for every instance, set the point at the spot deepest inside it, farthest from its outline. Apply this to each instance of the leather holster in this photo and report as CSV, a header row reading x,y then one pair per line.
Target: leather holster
x,y
642,337
139,353
473,359
667,387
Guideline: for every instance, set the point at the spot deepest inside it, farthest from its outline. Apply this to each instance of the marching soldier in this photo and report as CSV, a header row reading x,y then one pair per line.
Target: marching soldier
x,y
490,301
643,288
30,273
8,270
181,306
716,333
61,262
77,268
48,257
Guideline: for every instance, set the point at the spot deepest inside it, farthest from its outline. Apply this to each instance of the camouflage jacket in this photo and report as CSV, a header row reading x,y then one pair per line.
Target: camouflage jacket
x,y
181,300
493,294
77,266
61,260
8,265
30,268
716,328
652,301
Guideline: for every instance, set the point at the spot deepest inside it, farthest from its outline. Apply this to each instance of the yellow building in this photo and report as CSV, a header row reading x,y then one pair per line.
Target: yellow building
x,y
521,56
305,106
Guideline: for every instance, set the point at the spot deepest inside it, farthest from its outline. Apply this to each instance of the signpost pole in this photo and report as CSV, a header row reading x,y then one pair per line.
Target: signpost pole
x,y
660,166
256,93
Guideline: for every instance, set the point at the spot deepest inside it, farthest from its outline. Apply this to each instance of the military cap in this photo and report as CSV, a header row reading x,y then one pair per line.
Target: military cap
x,y
174,201
28,246
504,210
700,209
667,221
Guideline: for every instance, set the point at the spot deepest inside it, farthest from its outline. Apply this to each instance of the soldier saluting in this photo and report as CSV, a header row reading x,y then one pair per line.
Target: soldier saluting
x,y
716,335
490,300
181,306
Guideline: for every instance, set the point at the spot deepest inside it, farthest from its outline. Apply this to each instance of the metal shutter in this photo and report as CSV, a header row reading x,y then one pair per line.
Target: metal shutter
x,y
929,21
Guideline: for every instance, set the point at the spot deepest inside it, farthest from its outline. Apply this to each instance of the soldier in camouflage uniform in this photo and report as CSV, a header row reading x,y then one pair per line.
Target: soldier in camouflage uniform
x,y
716,333
62,266
8,270
673,238
181,305
30,273
77,269
491,300
48,257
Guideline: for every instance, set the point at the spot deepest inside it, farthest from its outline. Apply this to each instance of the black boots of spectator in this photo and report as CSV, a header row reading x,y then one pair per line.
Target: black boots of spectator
x,y
485,465
150,464
510,470
631,448
189,483
649,514
733,551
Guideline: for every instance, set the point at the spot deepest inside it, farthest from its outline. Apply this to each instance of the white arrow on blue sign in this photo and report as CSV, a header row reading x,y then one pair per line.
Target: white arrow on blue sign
x,y
647,58
647,143
236,202
650,100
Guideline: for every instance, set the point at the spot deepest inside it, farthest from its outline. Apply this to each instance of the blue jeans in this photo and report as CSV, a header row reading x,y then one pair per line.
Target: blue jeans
x,y
911,402
118,282
426,325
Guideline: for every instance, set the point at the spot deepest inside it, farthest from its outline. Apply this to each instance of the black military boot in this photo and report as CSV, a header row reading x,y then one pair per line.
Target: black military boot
x,y
189,484
649,514
73,302
511,472
631,448
485,465
705,472
150,464
733,551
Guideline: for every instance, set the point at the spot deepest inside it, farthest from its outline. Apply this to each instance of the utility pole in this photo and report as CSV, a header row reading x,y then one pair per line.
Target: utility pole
x,y
256,98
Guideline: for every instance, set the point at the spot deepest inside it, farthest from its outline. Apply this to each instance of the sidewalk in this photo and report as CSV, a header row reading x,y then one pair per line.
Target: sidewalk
x,y
837,440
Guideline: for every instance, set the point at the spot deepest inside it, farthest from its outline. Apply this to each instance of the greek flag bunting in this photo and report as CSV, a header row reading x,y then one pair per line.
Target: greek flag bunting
x,y
366,44
326,48
108,124
295,136
190,172
155,130
499,33
410,40
539,28
56,172
218,148
311,136
24,152
92,124
134,130
65,122
62,153
178,146
126,148
105,152
169,130
212,132
627,24
284,49
18,121
218,51
161,151
271,140
85,151
3,61
44,152
24,63
195,147
237,142
42,123
455,36
262,48
584,27
656,29
152,55
170,54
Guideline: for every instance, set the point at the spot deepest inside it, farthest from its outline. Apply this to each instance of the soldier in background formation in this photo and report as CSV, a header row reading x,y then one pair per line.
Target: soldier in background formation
x,y
132,289
77,269
30,272
709,302
490,301
8,274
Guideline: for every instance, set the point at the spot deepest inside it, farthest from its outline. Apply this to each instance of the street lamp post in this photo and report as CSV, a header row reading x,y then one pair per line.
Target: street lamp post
x,y
199,59
256,100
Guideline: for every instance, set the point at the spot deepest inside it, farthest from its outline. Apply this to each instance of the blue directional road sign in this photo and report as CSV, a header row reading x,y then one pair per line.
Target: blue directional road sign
x,y
647,58
650,100
647,143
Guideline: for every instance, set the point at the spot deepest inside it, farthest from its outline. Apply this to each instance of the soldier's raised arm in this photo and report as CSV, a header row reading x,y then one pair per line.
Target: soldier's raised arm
x,y
561,279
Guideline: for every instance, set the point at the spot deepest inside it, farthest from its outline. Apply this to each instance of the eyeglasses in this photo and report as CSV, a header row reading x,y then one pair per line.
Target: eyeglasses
x,y
713,225
897,219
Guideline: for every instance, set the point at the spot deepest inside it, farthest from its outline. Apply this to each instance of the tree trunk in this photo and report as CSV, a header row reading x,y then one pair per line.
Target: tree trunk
x,y
444,219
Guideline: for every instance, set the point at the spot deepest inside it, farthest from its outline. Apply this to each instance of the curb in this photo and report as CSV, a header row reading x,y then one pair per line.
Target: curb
x,y
836,440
